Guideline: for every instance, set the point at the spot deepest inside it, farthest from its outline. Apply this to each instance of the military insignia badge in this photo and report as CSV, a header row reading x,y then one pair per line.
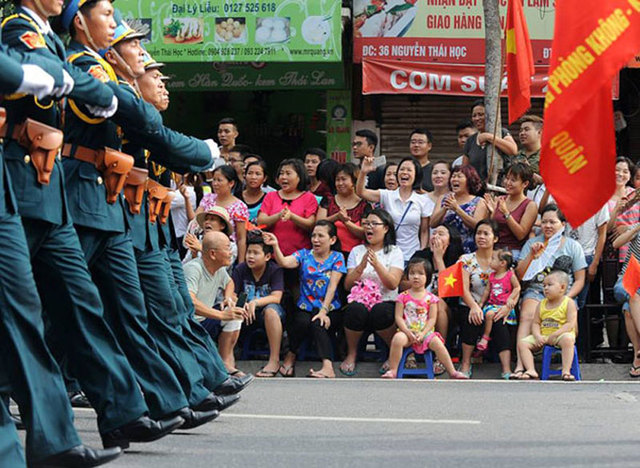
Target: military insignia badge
x,y
33,40
99,73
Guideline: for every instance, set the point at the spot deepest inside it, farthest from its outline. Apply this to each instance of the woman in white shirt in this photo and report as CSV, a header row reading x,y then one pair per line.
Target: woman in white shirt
x,y
409,208
379,264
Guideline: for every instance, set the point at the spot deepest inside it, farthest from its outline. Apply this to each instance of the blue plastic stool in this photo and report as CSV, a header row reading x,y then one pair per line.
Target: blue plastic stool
x,y
247,351
428,364
379,354
548,352
307,352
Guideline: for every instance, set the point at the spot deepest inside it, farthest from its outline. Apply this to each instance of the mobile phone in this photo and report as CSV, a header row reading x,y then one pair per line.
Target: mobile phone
x,y
242,299
380,161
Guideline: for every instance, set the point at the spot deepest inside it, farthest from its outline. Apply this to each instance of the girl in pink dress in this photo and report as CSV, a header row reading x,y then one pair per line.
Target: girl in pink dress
x,y
416,313
503,290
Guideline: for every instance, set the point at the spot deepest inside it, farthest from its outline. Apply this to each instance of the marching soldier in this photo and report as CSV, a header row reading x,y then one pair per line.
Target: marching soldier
x,y
77,322
145,208
94,192
28,371
153,89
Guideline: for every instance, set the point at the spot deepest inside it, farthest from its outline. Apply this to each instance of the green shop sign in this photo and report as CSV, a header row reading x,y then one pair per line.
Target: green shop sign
x,y
232,30
253,76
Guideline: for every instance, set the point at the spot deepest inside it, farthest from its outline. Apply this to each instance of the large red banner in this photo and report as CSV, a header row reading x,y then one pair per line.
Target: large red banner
x,y
593,40
394,77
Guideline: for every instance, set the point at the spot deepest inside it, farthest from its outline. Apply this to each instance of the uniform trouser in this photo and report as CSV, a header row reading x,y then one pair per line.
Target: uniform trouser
x,y
113,267
34,378
76,322
204,348
10,447
164,324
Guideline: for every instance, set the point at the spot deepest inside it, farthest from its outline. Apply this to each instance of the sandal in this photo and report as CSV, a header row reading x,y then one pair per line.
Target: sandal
x,y
568,378
526,375
318,375
348,370
266,373
516,374
483,344
457,375
506,375
289,371
469,373
389,375
411,363
634,372
384,368
237,373
438,368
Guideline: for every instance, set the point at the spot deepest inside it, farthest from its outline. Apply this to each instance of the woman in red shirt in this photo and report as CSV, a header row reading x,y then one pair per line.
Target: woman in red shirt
x,y
290,213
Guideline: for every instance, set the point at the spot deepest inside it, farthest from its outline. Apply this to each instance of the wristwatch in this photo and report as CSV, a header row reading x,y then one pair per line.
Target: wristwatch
x,y
507,216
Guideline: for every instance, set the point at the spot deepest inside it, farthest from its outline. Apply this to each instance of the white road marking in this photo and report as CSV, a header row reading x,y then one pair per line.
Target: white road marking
x,y
344,419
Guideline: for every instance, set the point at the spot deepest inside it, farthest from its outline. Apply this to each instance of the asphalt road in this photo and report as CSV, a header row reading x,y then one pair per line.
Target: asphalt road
x,y
362,422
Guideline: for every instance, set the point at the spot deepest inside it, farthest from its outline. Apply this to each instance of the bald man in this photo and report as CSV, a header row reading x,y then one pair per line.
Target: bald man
x,y
208,281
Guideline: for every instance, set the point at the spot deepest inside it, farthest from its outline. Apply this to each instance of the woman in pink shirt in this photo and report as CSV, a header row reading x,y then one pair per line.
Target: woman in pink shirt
x,y
290,213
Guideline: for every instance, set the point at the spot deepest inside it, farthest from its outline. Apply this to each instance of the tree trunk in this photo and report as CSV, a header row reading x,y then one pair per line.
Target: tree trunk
x,y
493,79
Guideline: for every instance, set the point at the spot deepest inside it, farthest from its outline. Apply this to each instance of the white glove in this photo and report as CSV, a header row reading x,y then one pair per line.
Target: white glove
x,y
36,81
215,151
104,112
66,87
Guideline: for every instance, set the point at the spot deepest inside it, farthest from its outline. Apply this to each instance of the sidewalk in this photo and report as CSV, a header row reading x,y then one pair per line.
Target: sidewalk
x,y
590,372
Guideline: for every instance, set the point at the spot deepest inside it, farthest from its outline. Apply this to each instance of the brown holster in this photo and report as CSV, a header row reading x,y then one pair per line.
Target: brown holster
x,y
134,188
159,201
42,142
166,207
114,166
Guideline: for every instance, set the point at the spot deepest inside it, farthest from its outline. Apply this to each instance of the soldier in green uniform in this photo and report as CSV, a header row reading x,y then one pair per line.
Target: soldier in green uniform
x,y
99,221
125,56
28,371
77,323
202,345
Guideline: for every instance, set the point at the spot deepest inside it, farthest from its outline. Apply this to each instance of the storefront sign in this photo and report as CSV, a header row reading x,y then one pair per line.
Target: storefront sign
x,y
446,31
236,30
254,76
339,125
393,77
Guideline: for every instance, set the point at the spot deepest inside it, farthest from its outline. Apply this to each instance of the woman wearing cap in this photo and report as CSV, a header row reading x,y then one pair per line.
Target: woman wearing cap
x,y
214,218
224,181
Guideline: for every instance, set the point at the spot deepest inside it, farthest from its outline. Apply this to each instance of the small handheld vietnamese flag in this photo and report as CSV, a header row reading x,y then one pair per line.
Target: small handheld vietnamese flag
x,y
450,281
631,278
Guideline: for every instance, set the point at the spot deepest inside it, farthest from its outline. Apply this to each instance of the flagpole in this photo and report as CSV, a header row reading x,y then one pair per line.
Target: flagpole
x,y
497,119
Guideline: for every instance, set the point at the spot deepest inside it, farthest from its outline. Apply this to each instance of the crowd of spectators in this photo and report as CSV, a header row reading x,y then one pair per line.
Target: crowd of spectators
x,y
327,254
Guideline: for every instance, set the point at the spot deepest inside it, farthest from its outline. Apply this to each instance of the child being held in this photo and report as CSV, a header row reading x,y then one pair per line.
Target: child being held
x,y
502,292
416,313
554,324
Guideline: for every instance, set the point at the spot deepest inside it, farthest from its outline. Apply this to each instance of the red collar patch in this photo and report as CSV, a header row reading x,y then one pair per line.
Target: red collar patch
x,y
33,40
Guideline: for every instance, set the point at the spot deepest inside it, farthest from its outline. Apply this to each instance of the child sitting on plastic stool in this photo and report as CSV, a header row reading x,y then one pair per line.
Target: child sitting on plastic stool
x,y
416,313
554,324
503,290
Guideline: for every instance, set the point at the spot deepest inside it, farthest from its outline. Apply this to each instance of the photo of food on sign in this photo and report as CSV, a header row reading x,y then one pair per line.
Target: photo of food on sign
x,y
183,30
316,29
273,30
383,18
231,30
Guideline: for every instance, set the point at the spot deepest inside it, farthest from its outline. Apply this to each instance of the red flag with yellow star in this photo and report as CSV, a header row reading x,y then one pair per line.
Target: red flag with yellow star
x,y
450,281
519,61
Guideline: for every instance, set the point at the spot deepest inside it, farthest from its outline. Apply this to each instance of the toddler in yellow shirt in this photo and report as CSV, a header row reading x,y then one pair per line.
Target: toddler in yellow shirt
x,y
554,324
